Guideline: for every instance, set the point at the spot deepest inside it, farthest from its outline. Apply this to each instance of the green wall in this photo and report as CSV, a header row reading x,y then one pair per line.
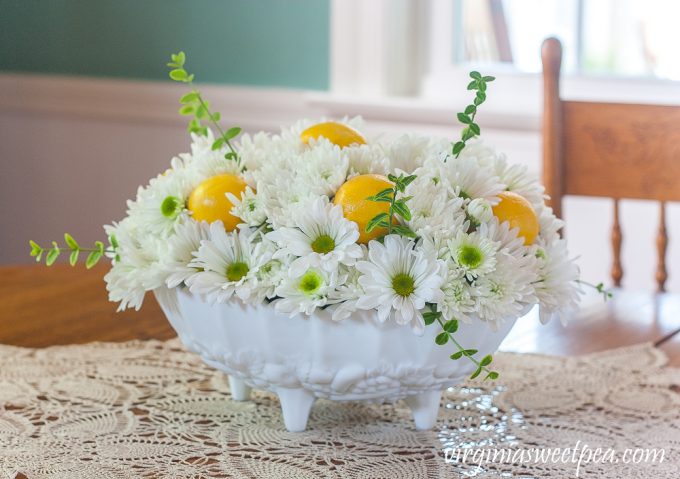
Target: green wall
x,y
251,42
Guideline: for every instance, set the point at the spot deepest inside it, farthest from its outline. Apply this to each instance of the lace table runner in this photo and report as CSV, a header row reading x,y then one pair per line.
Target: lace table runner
x,y
152,409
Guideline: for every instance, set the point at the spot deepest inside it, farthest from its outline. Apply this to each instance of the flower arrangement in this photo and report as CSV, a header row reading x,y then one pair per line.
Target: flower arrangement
x,y
423,231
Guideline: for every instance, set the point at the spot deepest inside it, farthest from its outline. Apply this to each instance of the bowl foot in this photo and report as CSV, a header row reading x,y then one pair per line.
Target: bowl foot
x,y
425,408
239,390
296,403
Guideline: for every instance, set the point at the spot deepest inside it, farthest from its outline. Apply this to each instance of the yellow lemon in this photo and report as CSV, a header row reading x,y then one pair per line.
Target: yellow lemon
x,y
337,133
355,207
519,213
209,202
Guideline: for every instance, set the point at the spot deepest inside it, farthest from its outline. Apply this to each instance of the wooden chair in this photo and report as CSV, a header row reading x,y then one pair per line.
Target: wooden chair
x,y
610,150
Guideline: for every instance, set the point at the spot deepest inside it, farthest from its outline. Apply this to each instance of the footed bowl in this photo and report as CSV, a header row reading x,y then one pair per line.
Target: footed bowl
x,y
302,358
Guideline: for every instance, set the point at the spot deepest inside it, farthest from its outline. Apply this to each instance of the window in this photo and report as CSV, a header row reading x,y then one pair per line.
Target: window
x,y
635,38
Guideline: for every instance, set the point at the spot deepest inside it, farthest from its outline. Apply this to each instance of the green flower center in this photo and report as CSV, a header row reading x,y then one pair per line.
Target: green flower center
x,y
236,271
323,244
470,256
171,206
310,282
403,284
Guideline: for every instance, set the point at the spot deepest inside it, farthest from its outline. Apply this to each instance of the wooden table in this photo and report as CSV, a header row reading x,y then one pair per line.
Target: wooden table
x,y
42,306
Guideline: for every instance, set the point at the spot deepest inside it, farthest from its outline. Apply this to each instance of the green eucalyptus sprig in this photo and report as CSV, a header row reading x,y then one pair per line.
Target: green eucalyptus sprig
x,y
398,207
194,105
467,117
448,329
72,246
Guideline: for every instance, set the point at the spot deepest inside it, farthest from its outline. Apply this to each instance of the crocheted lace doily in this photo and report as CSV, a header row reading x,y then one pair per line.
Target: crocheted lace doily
x,y
151,409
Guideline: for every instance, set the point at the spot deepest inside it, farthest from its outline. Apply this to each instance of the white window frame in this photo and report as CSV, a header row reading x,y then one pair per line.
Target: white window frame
x,y
396,55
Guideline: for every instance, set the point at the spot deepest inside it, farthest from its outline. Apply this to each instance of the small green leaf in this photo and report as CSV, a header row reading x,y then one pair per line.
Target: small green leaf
x,y
430,317
70,241
457,356
178,74
201,112
482,86
190,97
480,98
467,134
187,110
92,259
470,352
217,144
217,116
375,221
486,360
458,147
52,256
403,231
488,78
230,156
100,246
474,128
407,180
73,258
493,375
392,178
451,326
470,109
472,85
232,132
476,373
463,118
35,248
476,75
441,338
400,208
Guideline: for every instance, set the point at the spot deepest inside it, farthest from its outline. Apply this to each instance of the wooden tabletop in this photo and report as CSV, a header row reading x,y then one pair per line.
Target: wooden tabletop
x,y
42,306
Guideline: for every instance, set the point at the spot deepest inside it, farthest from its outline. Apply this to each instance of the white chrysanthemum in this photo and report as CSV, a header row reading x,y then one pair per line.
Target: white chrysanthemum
x,y
399,277
160,206
203,162
347,294
181,249
304,293
323,238
365,159
518,180
479,211
504,294
469,179
556,288
433,211
409,152
249,207
322,169
458,300
474,253
135,268
228,264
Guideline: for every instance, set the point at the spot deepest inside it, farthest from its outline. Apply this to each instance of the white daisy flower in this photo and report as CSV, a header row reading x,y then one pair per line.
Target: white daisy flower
x,y
474,253
312,289
347,294
228,264
365,159
323,239
399,278
518,179
161,205
181,248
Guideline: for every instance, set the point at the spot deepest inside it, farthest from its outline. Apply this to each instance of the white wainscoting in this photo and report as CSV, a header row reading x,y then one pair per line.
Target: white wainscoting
x,y
72,150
